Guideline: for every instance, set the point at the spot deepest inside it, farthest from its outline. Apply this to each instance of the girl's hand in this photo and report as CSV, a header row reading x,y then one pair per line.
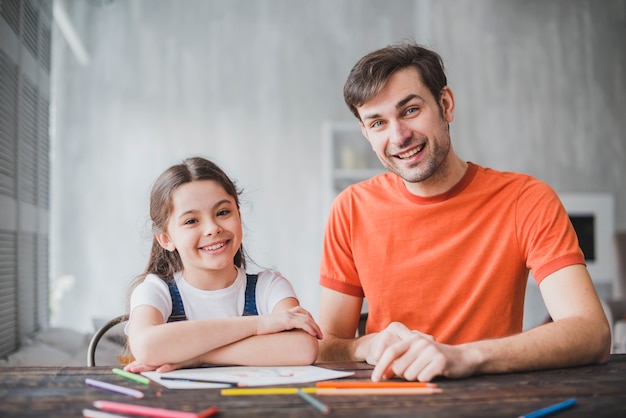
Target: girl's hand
x,y
136,367
294,318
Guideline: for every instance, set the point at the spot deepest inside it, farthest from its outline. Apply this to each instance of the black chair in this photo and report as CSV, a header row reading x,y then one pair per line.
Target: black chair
x,y
362,322
91,350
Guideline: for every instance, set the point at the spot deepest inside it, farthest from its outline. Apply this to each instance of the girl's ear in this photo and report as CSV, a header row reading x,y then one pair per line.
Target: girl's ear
x,y
165,241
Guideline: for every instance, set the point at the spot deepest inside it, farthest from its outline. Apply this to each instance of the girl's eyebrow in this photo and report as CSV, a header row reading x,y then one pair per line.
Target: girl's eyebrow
x,y
215,206
221,202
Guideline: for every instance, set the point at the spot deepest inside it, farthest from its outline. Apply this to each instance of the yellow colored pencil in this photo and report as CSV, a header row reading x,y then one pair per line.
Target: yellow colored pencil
x,y
266,391
331,391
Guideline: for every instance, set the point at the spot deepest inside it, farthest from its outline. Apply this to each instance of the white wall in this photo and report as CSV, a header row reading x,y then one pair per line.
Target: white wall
x,y
539,86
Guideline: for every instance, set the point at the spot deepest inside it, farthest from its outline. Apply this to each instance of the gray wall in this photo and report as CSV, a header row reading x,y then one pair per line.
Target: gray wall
x,y
539,85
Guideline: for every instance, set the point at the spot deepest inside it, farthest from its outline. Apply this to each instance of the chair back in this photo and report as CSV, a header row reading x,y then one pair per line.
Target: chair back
x,y
93,343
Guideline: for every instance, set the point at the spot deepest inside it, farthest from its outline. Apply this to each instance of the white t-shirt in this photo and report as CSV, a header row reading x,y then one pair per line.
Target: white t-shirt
x,y
271,288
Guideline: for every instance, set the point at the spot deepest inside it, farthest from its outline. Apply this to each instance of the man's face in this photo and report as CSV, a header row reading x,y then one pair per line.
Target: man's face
x,y
407,128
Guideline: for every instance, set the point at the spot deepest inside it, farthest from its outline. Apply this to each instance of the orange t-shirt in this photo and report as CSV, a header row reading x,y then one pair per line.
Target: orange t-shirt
x,y
453,266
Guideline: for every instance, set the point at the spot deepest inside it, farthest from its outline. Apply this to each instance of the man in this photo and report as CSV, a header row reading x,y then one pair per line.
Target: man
x,y
441,248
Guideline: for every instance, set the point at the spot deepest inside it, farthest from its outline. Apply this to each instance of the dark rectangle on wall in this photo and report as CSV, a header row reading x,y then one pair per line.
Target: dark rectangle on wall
x,y
8,293
8,125
584,225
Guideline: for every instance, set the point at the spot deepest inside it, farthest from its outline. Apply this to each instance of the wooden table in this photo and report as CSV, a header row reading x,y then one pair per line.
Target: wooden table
x,y
600,392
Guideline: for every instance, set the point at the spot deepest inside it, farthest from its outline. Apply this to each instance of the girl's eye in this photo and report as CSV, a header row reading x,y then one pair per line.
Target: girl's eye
x,y
223,212
190,221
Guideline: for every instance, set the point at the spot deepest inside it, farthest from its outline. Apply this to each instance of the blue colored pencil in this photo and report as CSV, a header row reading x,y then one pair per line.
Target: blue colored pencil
x,y
550,409
324,409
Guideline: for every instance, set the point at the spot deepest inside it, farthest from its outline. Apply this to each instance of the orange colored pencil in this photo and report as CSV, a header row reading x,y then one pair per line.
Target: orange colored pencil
x,y
376,391
370,384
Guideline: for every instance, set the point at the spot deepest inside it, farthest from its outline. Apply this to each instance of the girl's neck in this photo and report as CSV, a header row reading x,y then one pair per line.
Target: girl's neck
x,y
211,279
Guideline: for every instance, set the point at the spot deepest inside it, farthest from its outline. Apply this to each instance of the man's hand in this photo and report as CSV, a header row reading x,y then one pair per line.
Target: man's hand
x,y
399,351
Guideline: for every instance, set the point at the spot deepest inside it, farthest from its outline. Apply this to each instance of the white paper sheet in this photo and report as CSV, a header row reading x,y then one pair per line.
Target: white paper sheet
x,y
244,376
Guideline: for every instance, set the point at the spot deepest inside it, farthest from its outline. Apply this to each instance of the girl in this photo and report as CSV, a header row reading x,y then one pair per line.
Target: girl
x,y
186,308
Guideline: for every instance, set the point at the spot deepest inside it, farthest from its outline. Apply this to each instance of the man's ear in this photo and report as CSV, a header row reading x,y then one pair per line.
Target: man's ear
x,y
446,102
165,241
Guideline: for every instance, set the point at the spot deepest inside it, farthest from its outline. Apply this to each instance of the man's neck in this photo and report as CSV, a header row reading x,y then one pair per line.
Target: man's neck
x,y
449,174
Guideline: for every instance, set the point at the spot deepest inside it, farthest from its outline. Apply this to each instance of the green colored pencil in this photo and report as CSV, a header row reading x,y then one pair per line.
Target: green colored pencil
x,y
132,376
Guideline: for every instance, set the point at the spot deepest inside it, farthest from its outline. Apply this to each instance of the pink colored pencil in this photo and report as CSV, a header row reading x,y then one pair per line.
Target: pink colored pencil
x,y
369,384
149,411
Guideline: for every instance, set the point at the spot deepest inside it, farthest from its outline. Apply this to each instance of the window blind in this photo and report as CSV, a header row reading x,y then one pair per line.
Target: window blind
x,y
25,50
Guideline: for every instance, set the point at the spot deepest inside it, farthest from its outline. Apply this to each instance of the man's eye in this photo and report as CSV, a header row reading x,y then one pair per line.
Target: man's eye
x,y
377,124
411,110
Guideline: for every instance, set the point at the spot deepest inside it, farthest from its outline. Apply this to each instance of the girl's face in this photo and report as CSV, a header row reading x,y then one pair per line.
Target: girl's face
x,y
205,227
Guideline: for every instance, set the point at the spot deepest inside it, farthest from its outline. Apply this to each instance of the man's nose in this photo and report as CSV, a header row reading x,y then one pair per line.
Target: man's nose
x,y
399,132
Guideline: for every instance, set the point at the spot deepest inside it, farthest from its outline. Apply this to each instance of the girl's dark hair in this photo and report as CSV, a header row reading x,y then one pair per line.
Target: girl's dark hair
x,y
165,263
370,74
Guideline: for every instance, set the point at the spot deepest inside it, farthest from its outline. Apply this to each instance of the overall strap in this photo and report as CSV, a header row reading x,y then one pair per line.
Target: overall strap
x,y
250,305
178,310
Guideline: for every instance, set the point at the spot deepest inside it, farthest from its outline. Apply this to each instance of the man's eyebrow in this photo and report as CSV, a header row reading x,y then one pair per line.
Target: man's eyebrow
x,y
407,99
399,105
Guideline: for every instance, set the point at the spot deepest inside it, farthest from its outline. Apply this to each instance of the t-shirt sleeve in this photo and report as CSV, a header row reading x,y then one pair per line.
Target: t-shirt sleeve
x,y
272,287
154,292
337,268
548,239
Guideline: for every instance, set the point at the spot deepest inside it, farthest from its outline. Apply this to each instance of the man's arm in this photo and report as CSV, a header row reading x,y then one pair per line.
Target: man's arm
x,y
579,334
339,319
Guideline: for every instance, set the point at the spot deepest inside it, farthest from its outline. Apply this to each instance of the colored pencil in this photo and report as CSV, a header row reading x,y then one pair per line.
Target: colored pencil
x,y
132,376
323,408
266,391
114,388
149,411
550,409
208,412
370,384
90,413
377,391
196,380
332,391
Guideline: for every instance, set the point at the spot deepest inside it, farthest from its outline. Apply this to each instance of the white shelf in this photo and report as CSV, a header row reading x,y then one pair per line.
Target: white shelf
x,y
348,157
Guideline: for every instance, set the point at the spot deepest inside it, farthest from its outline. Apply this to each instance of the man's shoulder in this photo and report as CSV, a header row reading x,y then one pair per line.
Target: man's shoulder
x,y
491,175
379,183
515,184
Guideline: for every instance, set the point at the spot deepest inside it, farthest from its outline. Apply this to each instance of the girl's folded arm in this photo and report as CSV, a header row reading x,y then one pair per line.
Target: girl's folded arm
x,y
289,337
288,348
153,342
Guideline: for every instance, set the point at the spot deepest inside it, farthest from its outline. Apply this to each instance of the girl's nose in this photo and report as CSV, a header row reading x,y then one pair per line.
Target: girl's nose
x,y
212,228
